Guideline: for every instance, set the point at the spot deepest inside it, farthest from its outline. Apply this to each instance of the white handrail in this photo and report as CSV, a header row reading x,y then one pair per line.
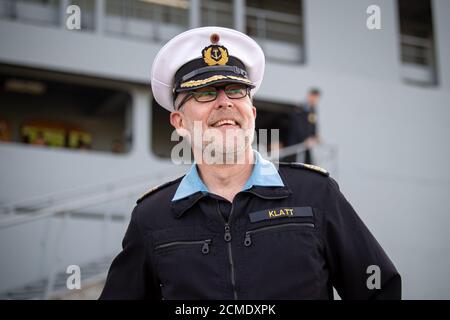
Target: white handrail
x,y
273,15
287,151
80,203
61,196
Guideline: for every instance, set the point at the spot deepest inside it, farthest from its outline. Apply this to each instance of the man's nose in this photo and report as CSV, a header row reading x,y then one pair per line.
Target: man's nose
x,y
222,99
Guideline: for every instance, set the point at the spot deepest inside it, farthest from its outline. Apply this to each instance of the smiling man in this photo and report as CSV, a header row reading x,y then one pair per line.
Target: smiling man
x,y
221,132
236,226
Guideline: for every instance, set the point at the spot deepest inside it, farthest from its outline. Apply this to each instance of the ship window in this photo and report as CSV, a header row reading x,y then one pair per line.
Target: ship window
x,y
46,12
217,13
273,115
147,19
45,110
162,131
417,42
43,12
277,25
5,131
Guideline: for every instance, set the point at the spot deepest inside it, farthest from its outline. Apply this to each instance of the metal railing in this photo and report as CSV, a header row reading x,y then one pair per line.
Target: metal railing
x,y
272,29
159,22
216,13
109,205
148,21
29,11
419,53
274,25
417,50
324,155
52,12
45,201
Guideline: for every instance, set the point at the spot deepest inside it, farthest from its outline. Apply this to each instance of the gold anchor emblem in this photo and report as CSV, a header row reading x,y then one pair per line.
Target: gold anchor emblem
x,y
215,55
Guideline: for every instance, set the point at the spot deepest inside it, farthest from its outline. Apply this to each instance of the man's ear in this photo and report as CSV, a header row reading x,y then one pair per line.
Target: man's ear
x,y
178,122
254,111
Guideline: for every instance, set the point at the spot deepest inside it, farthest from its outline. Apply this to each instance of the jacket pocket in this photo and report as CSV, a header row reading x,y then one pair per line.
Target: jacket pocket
x,y
280,227
188,265
283,261
203,245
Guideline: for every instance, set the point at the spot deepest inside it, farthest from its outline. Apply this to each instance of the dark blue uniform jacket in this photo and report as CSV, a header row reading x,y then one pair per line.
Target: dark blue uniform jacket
x,y
296,241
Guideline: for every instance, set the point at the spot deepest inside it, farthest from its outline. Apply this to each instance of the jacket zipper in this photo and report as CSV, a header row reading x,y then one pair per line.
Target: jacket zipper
x,y
248,239
227,238
205,247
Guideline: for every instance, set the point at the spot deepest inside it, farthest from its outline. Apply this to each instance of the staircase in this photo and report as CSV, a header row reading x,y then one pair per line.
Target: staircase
x,y
40,237
92,274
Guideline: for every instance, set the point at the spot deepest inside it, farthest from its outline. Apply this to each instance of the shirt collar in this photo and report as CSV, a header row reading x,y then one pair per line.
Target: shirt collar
x,y
264,174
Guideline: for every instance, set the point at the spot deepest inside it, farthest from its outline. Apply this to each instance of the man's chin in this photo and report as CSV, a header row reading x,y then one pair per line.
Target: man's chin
x,y
223,154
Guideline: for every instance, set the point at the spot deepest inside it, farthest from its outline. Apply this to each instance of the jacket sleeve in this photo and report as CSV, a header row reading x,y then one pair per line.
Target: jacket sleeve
x,y
354,256
130,275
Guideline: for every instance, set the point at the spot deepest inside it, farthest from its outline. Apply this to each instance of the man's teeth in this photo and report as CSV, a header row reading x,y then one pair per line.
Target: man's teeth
x,y
222,122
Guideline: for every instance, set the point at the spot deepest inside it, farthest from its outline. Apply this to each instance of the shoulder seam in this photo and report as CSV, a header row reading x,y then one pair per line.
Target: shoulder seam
x,y
157,188
310,167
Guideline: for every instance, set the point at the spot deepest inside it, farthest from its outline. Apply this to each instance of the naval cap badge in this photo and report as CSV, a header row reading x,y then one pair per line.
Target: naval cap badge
x,y
215,54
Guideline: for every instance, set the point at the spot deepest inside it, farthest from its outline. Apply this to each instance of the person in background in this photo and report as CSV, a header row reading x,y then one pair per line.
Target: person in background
x,y
40,140
303,128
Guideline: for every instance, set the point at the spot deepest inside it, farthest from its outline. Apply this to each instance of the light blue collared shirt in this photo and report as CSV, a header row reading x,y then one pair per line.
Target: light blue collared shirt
x,y
264,174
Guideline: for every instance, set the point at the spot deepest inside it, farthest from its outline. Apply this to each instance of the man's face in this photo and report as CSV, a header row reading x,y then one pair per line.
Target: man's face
x,y
224,125
313,99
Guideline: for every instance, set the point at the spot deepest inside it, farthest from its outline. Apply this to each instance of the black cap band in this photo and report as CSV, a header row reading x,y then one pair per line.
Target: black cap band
x,y
197,69
234,69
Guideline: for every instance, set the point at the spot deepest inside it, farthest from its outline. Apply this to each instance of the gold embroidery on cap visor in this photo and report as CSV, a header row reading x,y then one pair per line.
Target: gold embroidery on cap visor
x,y
194,83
